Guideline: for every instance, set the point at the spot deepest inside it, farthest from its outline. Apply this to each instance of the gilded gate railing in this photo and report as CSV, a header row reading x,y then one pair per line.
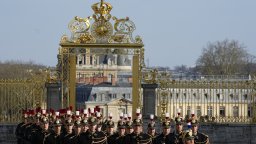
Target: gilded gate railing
x,y
17,95
219,100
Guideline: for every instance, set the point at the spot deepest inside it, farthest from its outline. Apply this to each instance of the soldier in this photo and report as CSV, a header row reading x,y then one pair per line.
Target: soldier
x,y
119,136
110,125
137,136
110,128
188,138
24,128
152,131
84,126
166,137
99,122
77,131
91,135
178,132
34,125
18,131
38,137
56,136
128,127
68,136
200,138
152,128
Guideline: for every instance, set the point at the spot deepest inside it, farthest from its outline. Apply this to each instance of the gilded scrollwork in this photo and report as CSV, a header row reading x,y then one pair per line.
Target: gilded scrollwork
x,y
79,25
124,29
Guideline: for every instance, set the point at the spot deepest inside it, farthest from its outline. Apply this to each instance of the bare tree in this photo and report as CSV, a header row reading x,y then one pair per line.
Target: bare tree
x,y
223,58
17,69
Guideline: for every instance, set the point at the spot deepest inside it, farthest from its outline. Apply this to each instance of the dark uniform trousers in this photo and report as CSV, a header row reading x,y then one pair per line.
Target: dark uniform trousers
x,y
92,138
165,139
141,138
201,138
53,138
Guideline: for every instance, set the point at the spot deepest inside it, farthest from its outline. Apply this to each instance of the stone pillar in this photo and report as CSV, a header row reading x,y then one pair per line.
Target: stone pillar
x,y
53,95
149,99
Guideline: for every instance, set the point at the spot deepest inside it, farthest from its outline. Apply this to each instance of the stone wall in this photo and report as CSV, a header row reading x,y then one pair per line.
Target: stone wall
x,y
7,134
230,133
218,133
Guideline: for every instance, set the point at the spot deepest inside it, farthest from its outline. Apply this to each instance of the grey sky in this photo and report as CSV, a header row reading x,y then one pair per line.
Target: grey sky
x,y
173,31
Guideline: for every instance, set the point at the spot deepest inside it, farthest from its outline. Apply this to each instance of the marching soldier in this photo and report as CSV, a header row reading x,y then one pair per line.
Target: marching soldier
x,y
121,133
152,128
188,138
19,129
119,136
33,127
91,135
178,132
137,136
38,137
166,137
110,131
84,126
68,136
128,127
56,136
200,138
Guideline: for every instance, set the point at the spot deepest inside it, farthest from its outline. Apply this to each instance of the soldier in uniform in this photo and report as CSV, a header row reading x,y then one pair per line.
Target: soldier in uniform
x,y
188,138
166,137
110,125
137,136
69,134
18,131
128,127
91,135
34,126
119,136
200,138
56,136
38,137
84,126
152,130
178,132
23,128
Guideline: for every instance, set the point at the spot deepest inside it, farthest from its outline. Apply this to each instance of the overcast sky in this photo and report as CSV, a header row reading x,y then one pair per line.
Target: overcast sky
x,y
173,31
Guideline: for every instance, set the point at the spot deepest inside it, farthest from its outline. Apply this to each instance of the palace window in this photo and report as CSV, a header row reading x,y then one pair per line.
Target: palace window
x,y
249,111
235,111
209,111
245,96
109,96
198,111
114,96
188,110
181,110
222,111
128,96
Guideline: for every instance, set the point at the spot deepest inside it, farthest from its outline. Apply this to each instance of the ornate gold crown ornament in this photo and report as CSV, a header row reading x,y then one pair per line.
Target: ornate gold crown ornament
x,y
102,11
